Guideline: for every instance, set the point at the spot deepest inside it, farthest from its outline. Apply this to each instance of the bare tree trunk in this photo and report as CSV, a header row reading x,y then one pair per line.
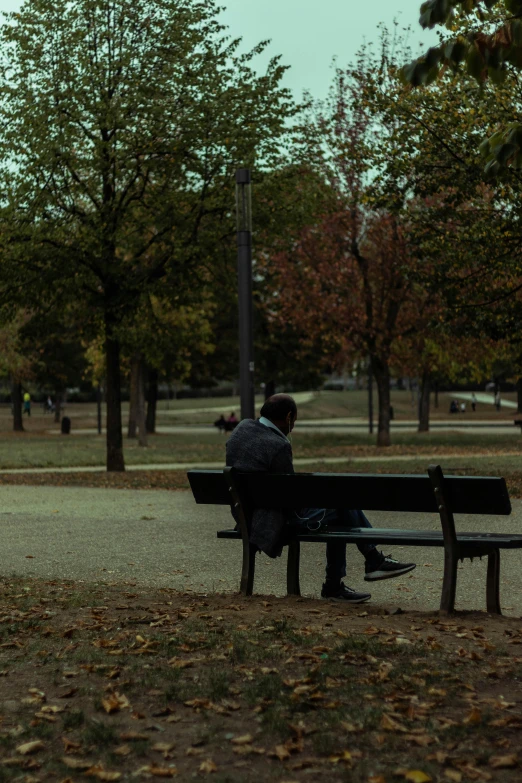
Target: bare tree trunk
x,y
269,389
519,395
142,427
58,406
381,372
114,441
424,404
134,393
370,397
98,408
16,400
152,401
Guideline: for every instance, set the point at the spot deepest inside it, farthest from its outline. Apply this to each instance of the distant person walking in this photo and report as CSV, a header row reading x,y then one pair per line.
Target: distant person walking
x,y
27,403
497,401
463,407
473,402
221,424
232,422
454,408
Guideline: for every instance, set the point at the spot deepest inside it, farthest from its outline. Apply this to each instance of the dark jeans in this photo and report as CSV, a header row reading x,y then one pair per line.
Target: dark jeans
x,y
312,518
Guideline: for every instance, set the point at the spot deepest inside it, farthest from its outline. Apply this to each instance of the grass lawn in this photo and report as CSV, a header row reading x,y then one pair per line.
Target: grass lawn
x,y
471,454
332,405
19,450
113,682
26,450
313,405
339,404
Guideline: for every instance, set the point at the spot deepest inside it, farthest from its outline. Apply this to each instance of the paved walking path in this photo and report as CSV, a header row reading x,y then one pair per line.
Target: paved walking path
x,y
344,426
164,539
300,398
298,462
484,397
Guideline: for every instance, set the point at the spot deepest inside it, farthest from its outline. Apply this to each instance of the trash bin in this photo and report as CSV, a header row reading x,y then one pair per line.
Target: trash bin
x,y
66,425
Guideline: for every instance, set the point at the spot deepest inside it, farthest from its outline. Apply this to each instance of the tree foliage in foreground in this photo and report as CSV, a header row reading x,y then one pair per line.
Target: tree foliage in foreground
x,y
484,41
123,123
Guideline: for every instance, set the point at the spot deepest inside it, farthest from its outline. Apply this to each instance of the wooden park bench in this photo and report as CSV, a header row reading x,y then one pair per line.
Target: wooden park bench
x,y
447,495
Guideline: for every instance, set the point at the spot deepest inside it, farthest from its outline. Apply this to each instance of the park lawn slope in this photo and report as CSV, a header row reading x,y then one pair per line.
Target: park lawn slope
x,y
508,467
28,450
112,682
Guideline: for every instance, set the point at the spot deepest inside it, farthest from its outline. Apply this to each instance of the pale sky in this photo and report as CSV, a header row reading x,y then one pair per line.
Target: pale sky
x,y
309,33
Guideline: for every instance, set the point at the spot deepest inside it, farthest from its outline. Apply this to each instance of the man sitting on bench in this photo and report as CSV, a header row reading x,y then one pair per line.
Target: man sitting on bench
x,y
262,445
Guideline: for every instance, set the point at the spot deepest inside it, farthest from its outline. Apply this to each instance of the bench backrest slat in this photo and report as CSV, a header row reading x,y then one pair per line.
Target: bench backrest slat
x,y
386,492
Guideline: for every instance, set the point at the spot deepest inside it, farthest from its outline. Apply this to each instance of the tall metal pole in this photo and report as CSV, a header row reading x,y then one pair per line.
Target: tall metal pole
x,y
244,274
370,395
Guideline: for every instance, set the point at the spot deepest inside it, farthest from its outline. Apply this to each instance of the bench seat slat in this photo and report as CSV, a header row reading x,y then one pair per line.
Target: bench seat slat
x,y
385,492
402,537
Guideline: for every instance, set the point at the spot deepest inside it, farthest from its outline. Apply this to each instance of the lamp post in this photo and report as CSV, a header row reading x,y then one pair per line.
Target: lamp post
x,y
244,275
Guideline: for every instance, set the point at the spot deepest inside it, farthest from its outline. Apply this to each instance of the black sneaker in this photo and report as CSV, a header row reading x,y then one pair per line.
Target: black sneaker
x,y
387,568
343,594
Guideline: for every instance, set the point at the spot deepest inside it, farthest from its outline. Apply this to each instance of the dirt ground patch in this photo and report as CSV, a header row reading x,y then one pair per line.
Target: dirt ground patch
x,y
177,479
116,683
147,479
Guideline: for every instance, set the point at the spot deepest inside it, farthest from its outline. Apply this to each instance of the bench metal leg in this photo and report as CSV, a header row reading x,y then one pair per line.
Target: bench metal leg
x,y
449,585
493,583
248,569
292,568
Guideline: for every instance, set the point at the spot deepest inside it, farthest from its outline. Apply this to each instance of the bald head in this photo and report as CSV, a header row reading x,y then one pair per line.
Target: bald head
x,y
281,410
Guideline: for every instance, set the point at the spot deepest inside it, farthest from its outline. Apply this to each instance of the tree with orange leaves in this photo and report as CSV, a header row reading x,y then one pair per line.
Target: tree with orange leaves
x,y
351,295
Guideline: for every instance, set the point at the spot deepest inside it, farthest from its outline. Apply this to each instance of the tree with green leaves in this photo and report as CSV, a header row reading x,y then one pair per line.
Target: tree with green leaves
x,y
17,359
163,336
53,338
478,60
483,41
355,261
122,125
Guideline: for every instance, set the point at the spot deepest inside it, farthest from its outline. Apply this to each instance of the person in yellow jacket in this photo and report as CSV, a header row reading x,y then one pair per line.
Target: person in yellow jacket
x,y
27,403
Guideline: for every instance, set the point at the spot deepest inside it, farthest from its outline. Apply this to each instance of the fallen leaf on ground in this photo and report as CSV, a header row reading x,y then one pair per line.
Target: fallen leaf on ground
x,y
163,747
207,766
345,756
74,763
414,775
97,771
180,663
504,762
160,772
69,744
280,752
388,724
115,702
453,775
246,739
122,750
352,727
30,747
475,716
133,736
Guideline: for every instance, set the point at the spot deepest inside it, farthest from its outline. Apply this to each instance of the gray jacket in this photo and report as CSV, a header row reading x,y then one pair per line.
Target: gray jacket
x,y
253,448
